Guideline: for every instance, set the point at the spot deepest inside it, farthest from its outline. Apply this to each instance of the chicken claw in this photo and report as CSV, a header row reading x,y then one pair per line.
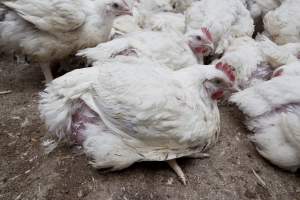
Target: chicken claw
x,y
173,164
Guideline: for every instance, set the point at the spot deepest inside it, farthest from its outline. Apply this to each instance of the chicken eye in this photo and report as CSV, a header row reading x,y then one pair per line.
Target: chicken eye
x,y
115,5
218,81
198,37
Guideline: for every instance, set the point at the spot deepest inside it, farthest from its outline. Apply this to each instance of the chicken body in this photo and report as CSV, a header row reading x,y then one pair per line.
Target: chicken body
x,y
225,20
273,114
132,109
283,24
49,31
168,48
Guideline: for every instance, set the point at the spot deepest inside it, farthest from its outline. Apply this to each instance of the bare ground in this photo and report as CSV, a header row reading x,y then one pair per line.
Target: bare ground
x,y
25,173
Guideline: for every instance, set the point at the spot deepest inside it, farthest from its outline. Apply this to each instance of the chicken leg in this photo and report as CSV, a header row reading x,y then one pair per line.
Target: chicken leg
x,y
46,68
199,155
173,164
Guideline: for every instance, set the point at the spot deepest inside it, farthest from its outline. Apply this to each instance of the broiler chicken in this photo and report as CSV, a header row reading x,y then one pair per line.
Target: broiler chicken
x,y
50,30
221,21
283,24
132,109
273,114
168,48
246,57
255,60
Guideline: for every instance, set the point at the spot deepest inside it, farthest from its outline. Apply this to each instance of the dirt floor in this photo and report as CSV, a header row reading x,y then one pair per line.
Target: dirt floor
x,y
27,174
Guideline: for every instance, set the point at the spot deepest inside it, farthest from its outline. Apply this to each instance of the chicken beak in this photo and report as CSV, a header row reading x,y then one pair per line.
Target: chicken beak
x,y
211,46
234,88
127,12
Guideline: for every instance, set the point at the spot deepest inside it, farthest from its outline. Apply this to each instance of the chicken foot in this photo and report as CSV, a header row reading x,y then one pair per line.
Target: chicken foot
x,y
199,155
46,68
173,164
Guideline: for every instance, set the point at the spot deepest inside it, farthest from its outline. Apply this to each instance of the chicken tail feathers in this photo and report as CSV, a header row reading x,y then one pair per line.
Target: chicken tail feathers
x,y
56,111
105,51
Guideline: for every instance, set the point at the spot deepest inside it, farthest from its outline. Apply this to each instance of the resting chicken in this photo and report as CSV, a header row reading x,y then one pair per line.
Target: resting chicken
x,y
168,48
273,114
132,109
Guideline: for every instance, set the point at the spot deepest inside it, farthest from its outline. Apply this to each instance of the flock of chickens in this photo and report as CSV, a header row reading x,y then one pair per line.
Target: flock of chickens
x,y
158,69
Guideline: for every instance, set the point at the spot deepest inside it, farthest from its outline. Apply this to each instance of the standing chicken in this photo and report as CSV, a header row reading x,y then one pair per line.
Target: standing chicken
x,y
273,114
50,30
168,48
221,21
132,109
283,24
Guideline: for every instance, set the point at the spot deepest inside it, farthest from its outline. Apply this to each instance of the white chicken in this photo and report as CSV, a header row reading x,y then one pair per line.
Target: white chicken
x,y
250,65
133,109
50,30
255,60
273,114
221,20
168,48
283,24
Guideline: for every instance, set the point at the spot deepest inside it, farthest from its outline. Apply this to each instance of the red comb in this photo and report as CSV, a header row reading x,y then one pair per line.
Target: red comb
x,y
207,33
227,69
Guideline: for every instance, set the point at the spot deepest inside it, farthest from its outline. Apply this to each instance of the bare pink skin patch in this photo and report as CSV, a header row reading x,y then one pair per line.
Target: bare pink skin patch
x,y
82,116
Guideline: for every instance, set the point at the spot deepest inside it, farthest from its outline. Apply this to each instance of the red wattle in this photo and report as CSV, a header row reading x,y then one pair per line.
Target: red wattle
x,y
217,95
